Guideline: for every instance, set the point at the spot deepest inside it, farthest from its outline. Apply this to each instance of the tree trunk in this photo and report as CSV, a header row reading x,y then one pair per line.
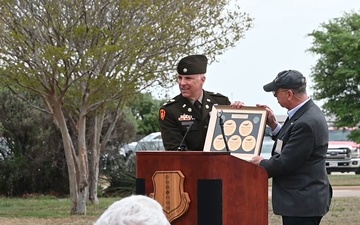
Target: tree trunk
x,y
94,159
77,166
83,163
97,148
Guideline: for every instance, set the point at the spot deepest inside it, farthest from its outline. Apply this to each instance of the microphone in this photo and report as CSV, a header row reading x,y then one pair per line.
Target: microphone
x,y
221,123
182,146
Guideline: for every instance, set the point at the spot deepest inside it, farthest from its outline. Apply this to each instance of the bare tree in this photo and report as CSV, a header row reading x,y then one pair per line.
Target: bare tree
x,y
90,56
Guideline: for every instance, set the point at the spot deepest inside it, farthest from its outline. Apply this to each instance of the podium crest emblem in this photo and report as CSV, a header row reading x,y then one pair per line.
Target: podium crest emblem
x,y
169,192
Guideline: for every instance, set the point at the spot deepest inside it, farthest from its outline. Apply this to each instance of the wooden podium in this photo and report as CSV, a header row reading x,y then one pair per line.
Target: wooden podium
x,y
215,188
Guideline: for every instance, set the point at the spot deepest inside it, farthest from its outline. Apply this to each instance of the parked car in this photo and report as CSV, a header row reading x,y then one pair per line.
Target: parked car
x,y
152,142
128,149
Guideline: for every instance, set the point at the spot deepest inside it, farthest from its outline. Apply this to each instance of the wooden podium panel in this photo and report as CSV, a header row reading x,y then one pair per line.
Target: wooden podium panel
x,y
239,198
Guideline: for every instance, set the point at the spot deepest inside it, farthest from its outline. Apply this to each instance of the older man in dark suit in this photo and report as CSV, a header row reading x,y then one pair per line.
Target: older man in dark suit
x,y
301,192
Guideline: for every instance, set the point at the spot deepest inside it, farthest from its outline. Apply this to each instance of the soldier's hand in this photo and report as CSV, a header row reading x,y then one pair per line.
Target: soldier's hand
x,y
237,104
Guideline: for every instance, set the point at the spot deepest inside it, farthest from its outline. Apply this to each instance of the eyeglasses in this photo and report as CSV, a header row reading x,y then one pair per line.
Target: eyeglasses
x,y
277,91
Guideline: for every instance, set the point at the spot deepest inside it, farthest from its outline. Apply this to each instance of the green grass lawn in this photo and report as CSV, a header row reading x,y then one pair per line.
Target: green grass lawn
x,y
341,180
45,211
344,180
46,207
343,211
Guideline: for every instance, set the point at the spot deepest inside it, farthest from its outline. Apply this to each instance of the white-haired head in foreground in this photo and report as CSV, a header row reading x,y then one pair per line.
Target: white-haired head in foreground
x,y
134,210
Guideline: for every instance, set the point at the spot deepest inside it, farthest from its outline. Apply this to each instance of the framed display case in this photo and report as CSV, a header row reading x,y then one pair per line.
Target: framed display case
x,y
239,131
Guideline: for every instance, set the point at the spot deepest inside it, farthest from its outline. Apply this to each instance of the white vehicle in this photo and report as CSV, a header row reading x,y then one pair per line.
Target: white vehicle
x,y
343,155
127,149
152,142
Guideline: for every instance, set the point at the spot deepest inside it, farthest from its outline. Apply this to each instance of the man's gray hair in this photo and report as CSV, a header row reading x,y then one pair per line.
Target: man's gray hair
x,y
134,210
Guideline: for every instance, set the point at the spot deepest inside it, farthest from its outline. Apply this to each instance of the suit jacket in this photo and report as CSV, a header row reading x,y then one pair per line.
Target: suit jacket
x,y
300,184
176,115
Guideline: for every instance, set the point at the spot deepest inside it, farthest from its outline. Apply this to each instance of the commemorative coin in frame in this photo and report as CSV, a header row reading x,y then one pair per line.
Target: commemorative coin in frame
x,y
239,131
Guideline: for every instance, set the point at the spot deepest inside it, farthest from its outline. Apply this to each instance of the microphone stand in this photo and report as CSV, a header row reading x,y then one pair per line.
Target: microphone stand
x,y
221,123
182,146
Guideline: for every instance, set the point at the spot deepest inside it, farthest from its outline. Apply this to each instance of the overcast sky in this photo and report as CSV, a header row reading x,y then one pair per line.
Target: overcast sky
x,y
278,41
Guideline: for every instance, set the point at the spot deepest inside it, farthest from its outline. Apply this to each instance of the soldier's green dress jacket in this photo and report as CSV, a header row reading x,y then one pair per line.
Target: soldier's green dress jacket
x,y
176,115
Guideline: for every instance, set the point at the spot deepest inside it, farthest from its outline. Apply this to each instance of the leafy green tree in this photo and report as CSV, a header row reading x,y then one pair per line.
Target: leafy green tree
x,y
89,58
337,72
32,159
145,109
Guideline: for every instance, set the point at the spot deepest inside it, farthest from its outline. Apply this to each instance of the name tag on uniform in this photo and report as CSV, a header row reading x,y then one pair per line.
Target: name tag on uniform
x,y
186,123
279,144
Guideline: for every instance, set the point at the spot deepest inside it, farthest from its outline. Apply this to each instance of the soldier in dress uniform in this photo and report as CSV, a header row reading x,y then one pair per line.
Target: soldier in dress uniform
x,y
190,110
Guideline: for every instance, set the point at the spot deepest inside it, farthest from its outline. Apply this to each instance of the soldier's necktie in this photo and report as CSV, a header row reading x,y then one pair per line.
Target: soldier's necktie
x,y
197,106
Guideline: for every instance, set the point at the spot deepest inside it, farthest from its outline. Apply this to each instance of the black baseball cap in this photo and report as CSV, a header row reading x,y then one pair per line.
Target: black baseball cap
x,y
288,79
192,64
